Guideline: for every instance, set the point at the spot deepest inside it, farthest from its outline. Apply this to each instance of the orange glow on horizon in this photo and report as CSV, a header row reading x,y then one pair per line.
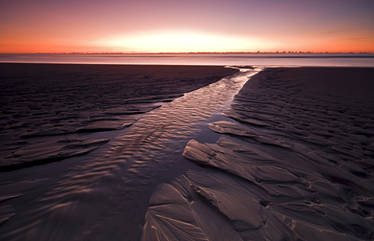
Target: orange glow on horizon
x,y
181,42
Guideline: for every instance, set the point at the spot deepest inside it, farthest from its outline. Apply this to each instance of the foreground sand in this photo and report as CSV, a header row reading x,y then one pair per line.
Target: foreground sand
x,y
294,161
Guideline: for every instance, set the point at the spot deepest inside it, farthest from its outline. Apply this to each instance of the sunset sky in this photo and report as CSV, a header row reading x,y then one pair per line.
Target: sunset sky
x,y
29,26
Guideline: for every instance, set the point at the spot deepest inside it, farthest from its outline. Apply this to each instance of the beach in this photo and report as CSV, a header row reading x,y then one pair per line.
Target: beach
x,y
187,120
158,152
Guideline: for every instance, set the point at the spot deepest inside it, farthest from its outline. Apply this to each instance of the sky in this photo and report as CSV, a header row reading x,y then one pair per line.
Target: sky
x,y
60,26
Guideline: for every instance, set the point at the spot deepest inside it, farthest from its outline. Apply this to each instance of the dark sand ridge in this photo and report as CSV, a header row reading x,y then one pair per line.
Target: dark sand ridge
x,y
103,195
295,162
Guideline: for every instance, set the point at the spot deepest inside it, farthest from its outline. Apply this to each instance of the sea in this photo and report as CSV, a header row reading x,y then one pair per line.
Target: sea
x,y
356,60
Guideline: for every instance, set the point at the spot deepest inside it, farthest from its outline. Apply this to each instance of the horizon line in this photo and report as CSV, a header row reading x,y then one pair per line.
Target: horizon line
x,y
194,52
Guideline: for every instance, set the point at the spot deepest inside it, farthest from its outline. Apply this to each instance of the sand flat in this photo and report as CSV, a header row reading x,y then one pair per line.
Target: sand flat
x,y
286,160
293,162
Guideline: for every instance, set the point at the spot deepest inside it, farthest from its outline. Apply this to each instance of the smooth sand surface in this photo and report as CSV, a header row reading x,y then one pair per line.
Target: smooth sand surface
x,y
294,161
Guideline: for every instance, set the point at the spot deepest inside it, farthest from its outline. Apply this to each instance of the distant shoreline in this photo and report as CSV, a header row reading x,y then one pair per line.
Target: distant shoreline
x,y
265,60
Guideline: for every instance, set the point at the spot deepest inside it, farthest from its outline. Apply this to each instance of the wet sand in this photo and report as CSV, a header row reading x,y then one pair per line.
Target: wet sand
x,y
289,159
293,161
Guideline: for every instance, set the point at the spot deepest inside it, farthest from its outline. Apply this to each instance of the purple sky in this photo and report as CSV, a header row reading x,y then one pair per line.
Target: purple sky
x,y
241,25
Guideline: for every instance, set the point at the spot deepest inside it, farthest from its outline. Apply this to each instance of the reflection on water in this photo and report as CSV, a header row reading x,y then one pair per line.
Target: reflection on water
x,y
106,197
199,59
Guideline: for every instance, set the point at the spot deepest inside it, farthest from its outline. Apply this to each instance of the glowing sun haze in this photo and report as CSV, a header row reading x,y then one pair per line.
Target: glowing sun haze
x,y
186,26
176,41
